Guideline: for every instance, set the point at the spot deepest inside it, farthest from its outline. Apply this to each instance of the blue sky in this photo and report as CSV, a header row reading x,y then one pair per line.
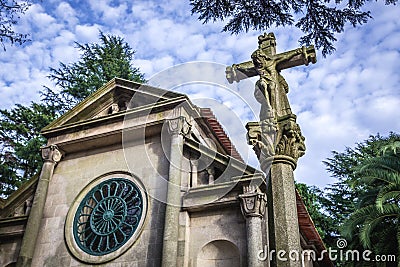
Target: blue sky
x,y
341,100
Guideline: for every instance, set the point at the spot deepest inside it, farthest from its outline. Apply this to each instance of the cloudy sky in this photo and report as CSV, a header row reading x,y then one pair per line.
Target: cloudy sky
x,y
341,100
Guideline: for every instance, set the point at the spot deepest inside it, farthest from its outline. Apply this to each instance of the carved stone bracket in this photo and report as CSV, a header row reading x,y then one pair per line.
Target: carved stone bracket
x,y
253,202
290,140
51,153
179,125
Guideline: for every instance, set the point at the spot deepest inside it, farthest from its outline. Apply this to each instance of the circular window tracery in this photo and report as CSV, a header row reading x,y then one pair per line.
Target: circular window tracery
x,y
104,218
108,216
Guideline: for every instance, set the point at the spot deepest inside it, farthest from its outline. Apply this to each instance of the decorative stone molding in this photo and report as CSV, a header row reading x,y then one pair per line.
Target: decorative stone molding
x,y
28,205
253,202
51,154
261,135
23,209
114,108
276,142
290,140
179,125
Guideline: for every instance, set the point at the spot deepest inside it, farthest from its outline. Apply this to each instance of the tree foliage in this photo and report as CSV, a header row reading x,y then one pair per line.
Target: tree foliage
x,y
20,141
343,195
354,202
376,220
99,63
10,12
20,126
319,20
313,199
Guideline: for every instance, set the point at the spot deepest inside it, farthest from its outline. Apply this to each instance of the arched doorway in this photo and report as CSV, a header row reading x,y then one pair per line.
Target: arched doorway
x,y
219,253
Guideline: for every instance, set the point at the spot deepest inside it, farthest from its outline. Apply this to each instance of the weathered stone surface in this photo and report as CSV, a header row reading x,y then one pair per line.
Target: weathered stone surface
x,y
276,139
285,229
51,156
271,89
253,205
217,225
206,226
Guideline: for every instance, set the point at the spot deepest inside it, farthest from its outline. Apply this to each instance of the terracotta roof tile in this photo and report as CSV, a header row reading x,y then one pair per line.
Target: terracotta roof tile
x,y
221,135
307,228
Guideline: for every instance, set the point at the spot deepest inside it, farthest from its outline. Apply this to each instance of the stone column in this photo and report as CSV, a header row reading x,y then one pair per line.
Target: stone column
x,y
177,128
286,236
253,205
51,156
194,174
278,145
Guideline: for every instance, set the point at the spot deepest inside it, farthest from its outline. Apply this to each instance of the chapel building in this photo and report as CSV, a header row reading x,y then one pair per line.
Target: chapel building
x,y
140,176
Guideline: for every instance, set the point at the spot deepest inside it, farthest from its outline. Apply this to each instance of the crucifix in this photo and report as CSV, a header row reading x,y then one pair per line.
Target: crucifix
x,y
278,143
271,88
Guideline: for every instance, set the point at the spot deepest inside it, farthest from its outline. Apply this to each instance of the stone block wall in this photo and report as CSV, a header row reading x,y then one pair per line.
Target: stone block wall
x,y
218,238
9,249
76,171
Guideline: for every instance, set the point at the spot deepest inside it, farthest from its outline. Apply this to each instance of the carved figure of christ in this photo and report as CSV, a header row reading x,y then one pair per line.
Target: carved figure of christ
x,y
271,88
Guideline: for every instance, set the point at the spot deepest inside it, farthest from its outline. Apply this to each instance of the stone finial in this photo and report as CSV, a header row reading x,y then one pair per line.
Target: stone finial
x,y
51,153
28,205
253,202
211,175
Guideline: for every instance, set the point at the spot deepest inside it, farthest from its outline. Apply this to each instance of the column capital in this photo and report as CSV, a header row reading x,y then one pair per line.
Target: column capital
x,y
179,125
261,135
51,153
253,202
290,141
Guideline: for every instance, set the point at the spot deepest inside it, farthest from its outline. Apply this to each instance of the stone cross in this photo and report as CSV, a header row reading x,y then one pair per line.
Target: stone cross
x,y
271,89
277,141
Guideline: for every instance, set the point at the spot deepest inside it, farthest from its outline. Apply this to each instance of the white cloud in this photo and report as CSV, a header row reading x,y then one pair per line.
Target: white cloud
x,y
109,12
141,11
65,12
87,33
339,101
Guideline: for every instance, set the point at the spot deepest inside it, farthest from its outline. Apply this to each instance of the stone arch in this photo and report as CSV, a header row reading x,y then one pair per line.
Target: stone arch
x,y
219,253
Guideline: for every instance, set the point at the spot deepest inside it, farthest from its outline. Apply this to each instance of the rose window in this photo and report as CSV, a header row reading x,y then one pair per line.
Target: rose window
x,y
108,216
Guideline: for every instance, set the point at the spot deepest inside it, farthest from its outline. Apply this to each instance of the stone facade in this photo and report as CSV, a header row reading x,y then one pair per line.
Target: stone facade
x,y
204,207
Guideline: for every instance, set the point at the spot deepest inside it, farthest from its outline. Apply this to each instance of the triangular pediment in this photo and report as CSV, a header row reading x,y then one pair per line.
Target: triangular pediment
x,y
114,97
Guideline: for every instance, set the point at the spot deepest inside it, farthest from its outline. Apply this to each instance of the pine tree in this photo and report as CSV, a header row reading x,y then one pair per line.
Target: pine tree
x,y
319,20
20,126
20,141
99,63
10,12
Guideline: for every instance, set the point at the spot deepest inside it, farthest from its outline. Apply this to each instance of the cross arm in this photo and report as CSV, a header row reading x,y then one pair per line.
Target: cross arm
x,y
285,60
241,71
296,57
